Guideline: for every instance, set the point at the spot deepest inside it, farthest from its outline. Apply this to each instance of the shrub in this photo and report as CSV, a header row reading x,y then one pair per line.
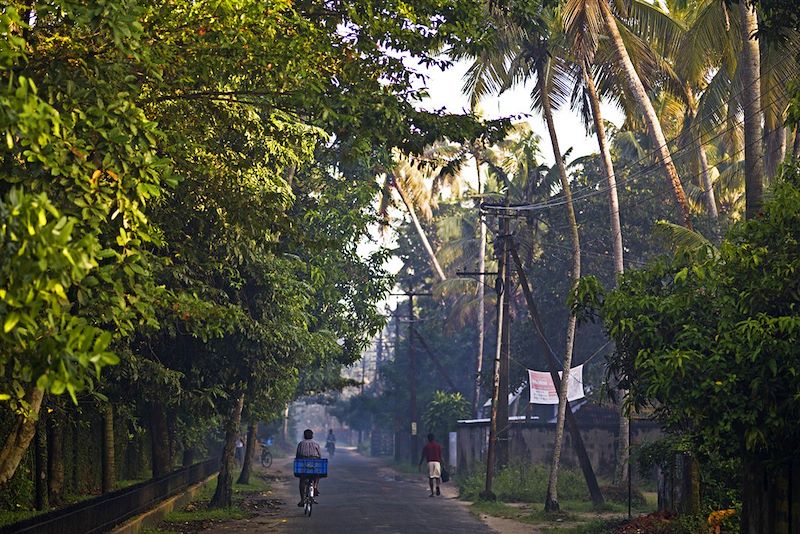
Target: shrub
x,y
523,482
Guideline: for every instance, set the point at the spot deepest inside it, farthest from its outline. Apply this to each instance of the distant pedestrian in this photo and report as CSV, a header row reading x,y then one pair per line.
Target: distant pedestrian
x,y
432,452
239,456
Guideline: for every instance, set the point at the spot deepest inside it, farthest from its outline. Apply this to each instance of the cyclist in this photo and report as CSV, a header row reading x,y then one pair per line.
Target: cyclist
x,y
308,448
330,443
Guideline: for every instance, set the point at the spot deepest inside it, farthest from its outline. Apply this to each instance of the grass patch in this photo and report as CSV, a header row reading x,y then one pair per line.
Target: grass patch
x,y
522,482
203,513
532,514
154,530
405,467
8,517
198,510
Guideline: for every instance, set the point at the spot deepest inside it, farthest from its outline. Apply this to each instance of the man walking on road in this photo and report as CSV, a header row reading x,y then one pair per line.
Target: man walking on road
x,y
432,452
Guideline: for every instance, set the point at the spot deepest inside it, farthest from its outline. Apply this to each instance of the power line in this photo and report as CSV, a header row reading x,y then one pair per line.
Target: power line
x,y
652,152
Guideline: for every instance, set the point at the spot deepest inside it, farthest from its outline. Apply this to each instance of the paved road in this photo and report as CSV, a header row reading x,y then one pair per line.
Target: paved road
x,y
362,496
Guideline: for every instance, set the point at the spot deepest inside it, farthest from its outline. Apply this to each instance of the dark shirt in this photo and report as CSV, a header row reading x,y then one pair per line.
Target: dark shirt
x,y
432,452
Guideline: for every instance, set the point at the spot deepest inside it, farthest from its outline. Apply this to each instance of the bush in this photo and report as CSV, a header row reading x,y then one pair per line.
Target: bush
x,y
523,482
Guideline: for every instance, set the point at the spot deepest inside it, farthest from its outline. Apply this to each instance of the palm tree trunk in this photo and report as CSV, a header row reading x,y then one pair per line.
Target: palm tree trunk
x,y
751,104
796,145
705,175
653,125
18,440
608,167
775,145
223,494
476,397
623,450
551,500
420,231
109,465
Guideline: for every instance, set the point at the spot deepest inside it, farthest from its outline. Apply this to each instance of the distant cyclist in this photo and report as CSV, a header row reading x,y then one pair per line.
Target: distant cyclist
x,y
308,448
330,443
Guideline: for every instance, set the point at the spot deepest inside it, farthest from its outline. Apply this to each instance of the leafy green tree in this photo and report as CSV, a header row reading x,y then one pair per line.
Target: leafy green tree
x,y
709,339
81,162
443,412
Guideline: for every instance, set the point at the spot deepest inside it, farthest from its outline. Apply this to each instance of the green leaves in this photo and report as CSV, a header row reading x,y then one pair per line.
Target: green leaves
x,y
712,339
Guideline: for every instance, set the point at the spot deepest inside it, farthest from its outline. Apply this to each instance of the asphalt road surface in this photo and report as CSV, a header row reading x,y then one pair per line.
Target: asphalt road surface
x,y
361,495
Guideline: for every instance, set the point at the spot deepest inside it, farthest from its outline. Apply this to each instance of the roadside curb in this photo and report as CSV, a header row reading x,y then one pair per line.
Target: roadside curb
x,y
156,514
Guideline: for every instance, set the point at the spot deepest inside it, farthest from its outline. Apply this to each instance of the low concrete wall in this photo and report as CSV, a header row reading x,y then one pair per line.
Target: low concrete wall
x,y
532,441
155,515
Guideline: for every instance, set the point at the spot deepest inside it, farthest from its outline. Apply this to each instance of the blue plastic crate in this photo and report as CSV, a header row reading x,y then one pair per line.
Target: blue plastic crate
x,y
311,466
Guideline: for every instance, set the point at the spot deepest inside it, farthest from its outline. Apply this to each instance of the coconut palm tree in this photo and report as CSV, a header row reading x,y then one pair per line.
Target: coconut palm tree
x,y
531,53
418,181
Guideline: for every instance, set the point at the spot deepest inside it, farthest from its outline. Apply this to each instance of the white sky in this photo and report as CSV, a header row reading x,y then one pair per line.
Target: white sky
x,y
445,92
444,89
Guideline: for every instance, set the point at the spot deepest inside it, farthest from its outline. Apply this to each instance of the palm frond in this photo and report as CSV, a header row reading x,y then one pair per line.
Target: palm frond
x,y
662,32
679,238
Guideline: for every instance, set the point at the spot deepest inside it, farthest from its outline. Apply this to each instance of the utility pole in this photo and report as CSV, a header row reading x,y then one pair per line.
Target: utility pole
x,y
412,374
491,454
412,379
552,360
505,351
378,360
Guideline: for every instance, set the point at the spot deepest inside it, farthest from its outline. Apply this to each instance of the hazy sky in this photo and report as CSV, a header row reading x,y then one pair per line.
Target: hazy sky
x,y
445,92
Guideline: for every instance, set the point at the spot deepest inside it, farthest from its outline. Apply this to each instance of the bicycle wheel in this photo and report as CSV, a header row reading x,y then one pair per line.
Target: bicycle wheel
x,y
309,500
266,459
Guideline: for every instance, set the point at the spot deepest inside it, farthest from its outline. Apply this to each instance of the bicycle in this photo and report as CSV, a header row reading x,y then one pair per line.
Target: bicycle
x,y
306,469
266,456
308,495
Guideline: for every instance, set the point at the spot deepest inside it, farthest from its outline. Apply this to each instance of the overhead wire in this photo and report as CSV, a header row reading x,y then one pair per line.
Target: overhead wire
x,y
594,191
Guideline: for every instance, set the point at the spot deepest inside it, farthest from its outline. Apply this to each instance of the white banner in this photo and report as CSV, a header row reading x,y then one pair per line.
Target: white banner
x,y
544,392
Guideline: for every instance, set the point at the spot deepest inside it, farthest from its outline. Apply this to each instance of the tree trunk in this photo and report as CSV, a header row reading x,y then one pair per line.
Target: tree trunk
x,y
420,231
285,427
751,104
109,463
796,145
646,107
76,463
775,150
41,501
551,500
769,497
223,495
249,453
188,456
702,158
159,439
476,395
18,440
608,167
55,457
623,450
705,175
552,361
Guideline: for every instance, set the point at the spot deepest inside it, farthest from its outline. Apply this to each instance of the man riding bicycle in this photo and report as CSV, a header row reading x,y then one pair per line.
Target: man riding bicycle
x,y
308,448
330,443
